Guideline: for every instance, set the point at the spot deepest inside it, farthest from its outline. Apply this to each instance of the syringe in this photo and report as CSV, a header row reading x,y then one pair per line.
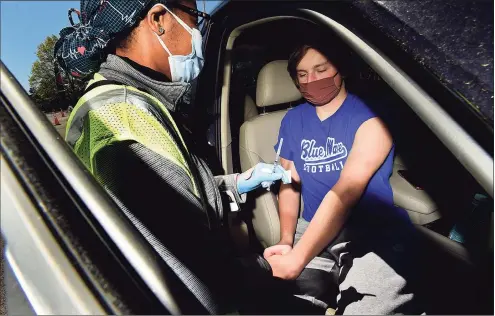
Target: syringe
x,y
276,162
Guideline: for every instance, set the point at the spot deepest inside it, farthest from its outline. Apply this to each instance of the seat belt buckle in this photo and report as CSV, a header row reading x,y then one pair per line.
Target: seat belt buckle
x,y
232,203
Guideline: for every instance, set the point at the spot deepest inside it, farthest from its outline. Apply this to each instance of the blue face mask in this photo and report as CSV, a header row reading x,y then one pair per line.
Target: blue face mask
x,y
185,68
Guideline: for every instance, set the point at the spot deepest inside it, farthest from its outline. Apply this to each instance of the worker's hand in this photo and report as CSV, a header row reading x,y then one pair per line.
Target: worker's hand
x,y
261,173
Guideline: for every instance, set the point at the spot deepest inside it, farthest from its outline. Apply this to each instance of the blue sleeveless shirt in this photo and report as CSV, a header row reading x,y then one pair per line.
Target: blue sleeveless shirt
x,y
319,150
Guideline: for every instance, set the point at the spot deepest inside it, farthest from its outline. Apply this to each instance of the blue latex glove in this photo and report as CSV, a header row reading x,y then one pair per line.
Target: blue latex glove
x,y
261,173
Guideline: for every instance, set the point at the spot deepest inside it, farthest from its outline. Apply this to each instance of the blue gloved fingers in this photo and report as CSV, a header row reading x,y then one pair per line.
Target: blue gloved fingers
x,y
278,170
243,186
247,181
266,184
262,174
264,168
272,177
285,175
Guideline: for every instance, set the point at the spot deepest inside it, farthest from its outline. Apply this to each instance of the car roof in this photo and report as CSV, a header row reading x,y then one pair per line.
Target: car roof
x,y
452,39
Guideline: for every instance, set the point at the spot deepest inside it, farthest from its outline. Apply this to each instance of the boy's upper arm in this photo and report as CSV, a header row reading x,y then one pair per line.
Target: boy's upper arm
x,y
289,165
370,148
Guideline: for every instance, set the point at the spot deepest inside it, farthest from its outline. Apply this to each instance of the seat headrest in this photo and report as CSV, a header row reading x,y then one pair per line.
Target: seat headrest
x,y
275,85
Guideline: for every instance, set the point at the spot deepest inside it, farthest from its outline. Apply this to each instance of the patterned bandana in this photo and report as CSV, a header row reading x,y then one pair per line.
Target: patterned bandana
x,y
80,49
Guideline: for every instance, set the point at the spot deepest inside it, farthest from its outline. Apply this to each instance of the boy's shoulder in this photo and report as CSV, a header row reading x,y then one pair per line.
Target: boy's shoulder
x,y
298,111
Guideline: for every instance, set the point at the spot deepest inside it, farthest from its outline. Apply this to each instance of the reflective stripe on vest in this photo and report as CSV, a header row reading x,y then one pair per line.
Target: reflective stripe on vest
x,y
117,113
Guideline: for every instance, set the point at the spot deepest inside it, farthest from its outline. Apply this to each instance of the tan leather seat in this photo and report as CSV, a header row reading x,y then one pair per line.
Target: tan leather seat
x,y
250,109
418,204
257,137
259,134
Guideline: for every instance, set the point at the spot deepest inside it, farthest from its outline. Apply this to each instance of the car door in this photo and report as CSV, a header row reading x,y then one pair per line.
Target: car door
x,y
69,248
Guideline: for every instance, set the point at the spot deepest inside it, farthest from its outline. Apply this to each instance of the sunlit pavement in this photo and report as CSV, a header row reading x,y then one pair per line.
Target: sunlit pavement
x,y
62,120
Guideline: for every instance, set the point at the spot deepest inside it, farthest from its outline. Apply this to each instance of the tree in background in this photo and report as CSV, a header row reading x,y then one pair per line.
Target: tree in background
x,y
42,82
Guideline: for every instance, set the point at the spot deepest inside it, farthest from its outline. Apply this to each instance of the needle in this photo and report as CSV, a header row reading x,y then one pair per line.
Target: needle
x,y
277,157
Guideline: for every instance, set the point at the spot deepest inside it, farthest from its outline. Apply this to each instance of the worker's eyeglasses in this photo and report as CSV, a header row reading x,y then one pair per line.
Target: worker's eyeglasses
x,y
200,15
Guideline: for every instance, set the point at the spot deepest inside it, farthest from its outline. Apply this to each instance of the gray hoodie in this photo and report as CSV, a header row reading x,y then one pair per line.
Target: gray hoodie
x,y
172,95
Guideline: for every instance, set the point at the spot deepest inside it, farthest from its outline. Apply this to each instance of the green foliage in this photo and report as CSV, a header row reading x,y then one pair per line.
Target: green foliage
x,y
43,87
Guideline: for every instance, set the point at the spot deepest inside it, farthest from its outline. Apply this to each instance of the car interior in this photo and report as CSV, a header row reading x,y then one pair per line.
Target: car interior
x,y
261,92
256,91
427,181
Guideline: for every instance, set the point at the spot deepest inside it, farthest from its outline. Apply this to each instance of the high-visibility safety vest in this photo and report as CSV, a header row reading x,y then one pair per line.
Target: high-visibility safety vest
x,y
113,112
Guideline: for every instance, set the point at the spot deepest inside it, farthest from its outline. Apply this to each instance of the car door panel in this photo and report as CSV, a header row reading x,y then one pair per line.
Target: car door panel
x,y
92,254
